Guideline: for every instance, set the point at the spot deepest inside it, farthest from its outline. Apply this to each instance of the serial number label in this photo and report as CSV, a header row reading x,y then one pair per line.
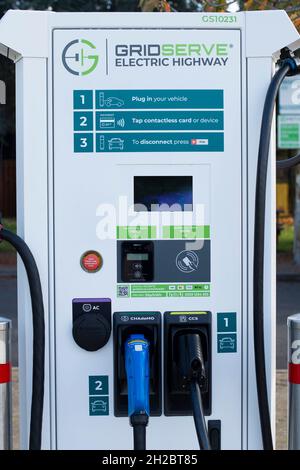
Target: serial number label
x,y
219,19
172,459
150,459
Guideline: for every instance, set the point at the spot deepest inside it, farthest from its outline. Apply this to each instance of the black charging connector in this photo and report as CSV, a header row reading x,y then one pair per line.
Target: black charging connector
x,y
190,361
177,326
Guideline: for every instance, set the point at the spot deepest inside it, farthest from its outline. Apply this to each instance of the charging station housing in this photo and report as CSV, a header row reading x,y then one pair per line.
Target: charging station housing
x,y
117,113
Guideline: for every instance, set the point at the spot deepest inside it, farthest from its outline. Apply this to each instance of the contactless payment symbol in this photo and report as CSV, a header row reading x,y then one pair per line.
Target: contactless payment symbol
x,y
187,261
79,57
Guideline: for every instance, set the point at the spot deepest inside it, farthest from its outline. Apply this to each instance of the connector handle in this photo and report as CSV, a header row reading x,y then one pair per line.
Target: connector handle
x,y
137,369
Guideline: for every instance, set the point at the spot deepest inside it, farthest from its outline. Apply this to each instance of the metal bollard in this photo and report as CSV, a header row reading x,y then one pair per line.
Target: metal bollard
x,y
5,385
293,323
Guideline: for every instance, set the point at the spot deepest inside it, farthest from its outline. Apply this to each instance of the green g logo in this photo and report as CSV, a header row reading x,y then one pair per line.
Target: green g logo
x,y
79,57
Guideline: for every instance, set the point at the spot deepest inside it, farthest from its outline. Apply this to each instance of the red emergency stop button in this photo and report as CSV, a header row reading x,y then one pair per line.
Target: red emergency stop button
x,y
91,261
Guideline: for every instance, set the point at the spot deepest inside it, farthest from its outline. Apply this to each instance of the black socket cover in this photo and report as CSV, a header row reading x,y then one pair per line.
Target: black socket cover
x,y
91,331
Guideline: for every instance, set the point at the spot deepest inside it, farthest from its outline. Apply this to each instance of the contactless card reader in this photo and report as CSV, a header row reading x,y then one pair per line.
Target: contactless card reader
x,y
137,261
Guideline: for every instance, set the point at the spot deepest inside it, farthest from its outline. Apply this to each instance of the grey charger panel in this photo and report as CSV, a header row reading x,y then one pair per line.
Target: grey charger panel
x,y
173,262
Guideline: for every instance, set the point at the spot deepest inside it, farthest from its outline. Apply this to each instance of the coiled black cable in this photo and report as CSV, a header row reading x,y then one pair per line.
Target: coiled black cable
x,y
38,321
258,264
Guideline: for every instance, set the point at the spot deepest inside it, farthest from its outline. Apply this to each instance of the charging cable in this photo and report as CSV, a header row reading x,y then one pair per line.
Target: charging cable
x,y
288,65
192,373
137,370
38,368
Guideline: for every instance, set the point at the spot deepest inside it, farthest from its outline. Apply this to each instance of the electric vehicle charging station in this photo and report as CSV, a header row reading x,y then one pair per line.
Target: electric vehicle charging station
x,y
116,115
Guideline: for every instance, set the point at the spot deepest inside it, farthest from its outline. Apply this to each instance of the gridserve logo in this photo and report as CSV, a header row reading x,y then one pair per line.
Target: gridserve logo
x,y
80,57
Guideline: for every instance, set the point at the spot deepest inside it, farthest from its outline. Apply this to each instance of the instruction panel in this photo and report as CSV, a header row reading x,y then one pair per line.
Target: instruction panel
x,y
119,119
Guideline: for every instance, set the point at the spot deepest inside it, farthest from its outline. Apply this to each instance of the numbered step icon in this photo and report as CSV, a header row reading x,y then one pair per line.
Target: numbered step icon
x,y
83,143
226,322
98,385
83,99
83,121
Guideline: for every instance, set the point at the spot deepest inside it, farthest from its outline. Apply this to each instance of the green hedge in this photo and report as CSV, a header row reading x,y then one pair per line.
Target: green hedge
x,y
10,224
286,239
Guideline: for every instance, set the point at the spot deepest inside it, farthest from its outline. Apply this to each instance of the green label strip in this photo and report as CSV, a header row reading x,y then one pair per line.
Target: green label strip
x,y
186,231
136,232
126,232
163,290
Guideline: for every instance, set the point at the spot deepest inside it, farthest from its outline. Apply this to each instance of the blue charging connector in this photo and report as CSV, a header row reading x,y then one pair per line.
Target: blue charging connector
x,y
137,370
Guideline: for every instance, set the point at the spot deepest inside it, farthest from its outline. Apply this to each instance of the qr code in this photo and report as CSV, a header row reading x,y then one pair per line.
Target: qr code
x,y
123,291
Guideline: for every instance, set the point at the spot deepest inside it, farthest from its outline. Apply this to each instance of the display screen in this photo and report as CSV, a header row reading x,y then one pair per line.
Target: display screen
x,y
163,193
137,256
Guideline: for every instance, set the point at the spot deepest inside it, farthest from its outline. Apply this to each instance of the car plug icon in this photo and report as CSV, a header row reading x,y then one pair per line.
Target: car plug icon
x,y
189,263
